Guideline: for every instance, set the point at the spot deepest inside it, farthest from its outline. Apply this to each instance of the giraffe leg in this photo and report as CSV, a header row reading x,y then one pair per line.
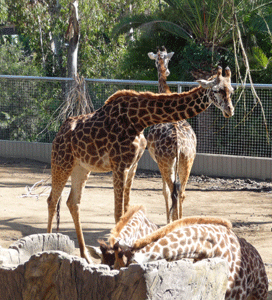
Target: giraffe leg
x,y
59,179
184,170
166,194
132,171
78,180
168,184
119,180
128,185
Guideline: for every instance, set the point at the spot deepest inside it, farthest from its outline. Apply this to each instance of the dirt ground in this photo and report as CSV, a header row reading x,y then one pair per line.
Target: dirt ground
x,y
23,208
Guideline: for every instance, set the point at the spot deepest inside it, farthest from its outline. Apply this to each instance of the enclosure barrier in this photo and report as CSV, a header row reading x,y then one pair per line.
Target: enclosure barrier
x,y
235,147
205,164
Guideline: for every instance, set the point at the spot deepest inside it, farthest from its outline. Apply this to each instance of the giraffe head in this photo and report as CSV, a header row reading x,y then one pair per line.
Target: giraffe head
x,y
220,91
164,56
104,252
123,255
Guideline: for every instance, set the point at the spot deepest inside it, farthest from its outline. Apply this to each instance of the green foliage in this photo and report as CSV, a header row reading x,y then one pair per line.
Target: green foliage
x,y
194,57
205,26
13,58
3,12
44,23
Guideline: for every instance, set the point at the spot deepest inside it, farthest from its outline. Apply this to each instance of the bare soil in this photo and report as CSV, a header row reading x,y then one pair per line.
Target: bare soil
x,y
247,203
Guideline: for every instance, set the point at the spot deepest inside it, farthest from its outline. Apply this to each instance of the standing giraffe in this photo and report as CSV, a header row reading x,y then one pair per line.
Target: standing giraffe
x,y
111,139
132,226
171,145
203,238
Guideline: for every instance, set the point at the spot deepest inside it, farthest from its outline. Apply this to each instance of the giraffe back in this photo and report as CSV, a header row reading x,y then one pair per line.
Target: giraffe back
x,y
199,238
161,232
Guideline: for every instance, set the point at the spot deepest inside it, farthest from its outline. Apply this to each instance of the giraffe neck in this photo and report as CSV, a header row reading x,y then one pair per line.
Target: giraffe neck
x,y
133,226
163,86
141,110
195,242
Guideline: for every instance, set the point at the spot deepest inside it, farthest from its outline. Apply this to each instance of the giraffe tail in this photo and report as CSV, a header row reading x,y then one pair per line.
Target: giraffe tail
x,y
174,196
58,214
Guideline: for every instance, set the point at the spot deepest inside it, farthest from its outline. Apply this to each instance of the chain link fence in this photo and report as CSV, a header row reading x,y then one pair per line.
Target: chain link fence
x,y
29,108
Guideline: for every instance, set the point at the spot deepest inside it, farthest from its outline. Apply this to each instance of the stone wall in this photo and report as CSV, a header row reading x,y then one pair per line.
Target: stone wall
x,y
59,275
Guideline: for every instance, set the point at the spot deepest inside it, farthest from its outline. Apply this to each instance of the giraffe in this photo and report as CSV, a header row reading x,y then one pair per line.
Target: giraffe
x,y
132,226
111,139
202,238
171,145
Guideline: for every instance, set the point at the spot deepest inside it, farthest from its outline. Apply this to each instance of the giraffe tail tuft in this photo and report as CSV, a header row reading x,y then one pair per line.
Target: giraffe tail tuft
x,y
174,196
58,214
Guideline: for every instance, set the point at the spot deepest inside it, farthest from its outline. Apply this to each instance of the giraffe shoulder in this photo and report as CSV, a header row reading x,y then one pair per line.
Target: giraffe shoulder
x,y
120,94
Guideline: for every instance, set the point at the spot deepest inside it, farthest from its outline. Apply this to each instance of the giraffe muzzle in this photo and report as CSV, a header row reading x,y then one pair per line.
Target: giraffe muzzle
x,y
229,112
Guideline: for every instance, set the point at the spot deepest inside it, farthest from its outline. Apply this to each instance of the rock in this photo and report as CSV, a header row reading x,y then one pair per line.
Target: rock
x,y
21,250
58,275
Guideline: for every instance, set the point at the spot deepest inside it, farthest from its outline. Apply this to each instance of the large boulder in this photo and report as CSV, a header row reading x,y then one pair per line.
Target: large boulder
x,y
20,251
59,275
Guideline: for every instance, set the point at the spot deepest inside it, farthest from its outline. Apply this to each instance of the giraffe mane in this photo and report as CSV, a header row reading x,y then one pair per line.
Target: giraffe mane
x,y
149,95
161,232
121,93
123,221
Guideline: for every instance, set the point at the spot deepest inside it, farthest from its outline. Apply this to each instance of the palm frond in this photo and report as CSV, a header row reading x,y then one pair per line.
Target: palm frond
x,y
149,23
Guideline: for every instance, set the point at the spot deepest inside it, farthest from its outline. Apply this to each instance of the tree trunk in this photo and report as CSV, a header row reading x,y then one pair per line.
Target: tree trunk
x,y
73,35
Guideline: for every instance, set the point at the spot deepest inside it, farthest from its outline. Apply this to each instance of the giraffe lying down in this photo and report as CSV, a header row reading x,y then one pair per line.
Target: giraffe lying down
x,y
196,238
132,226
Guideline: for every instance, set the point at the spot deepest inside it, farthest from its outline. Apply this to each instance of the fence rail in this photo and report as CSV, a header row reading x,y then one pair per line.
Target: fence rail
x,y
29,107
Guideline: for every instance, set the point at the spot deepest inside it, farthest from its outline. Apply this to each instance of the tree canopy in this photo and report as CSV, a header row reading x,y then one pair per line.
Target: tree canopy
x,y
201,33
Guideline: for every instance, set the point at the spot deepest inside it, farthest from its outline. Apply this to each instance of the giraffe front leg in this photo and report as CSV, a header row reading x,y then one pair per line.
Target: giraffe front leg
x,y
78,180
119,179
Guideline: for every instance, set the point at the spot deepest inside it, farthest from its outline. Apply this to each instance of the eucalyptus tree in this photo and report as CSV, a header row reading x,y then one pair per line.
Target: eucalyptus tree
x,y
45,22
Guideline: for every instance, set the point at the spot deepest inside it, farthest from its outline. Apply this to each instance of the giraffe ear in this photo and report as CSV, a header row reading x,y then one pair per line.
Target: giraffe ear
x,y
169,55
151,55
123,245
95,252
227,72
206,84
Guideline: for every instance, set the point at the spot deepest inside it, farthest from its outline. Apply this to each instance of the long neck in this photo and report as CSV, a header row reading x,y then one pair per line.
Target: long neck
x,y
163,87
141,110
155,109
137,227
193,242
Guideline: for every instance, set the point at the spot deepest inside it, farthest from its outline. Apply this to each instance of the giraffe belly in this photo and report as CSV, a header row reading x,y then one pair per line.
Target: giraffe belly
x,y
99,165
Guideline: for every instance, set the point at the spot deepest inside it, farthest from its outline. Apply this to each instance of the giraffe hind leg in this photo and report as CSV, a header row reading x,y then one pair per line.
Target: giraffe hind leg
x,y
168,182
184,170
128,184
59,179
175,198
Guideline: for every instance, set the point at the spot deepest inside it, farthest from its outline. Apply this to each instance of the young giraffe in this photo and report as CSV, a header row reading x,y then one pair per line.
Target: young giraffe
x,y
171,145
201,238
111,139
132,226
